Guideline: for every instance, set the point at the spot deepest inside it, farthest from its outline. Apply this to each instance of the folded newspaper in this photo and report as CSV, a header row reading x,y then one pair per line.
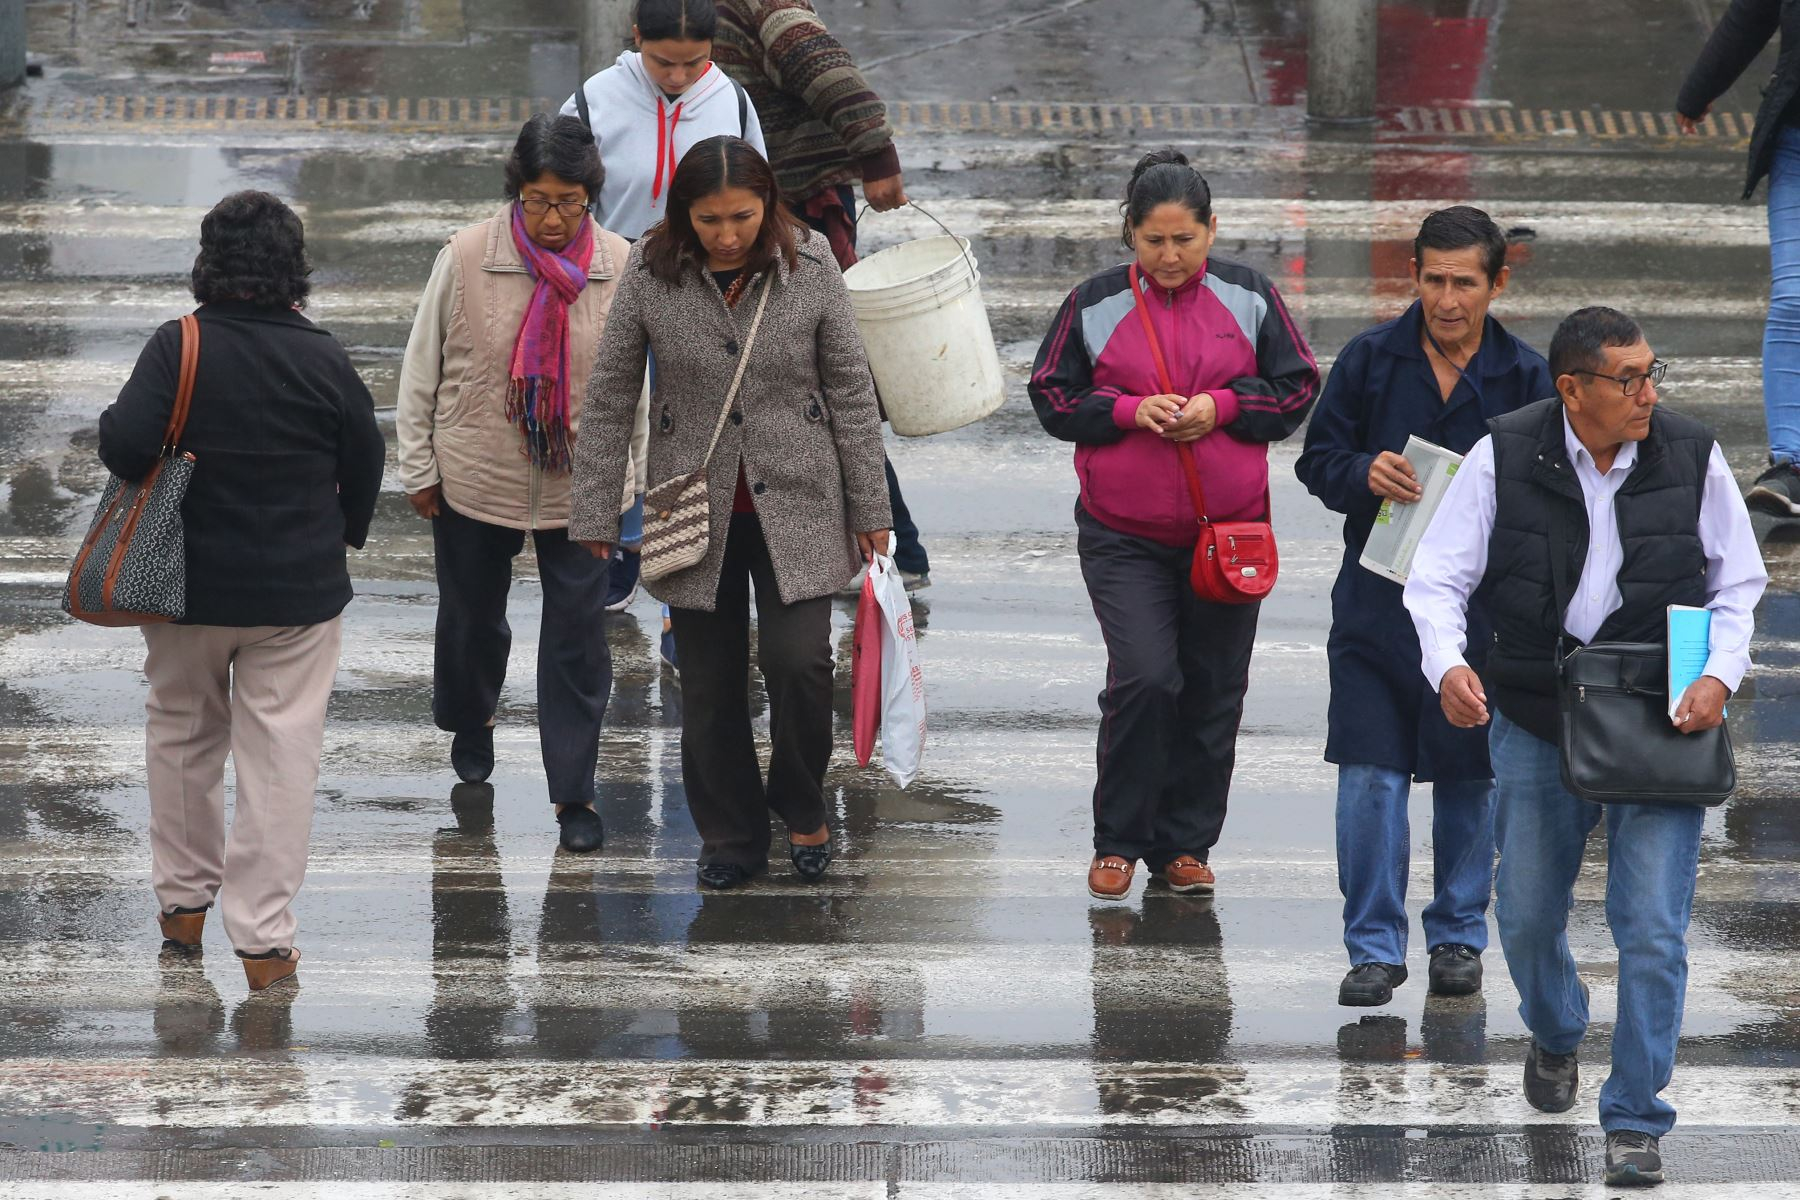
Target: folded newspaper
x,y
1398,527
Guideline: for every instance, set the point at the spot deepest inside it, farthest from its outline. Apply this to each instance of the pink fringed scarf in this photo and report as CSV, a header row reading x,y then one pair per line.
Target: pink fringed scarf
x,y
537,398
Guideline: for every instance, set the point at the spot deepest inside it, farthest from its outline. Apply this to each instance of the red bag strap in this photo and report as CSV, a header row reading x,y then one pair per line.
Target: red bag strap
x,y
1182,450
184,390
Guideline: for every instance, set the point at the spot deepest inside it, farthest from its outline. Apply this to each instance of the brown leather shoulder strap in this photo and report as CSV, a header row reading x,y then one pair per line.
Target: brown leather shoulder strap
x,y
184,390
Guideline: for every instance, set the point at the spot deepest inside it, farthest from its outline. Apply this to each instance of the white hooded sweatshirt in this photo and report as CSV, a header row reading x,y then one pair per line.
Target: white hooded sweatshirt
x,y
642,135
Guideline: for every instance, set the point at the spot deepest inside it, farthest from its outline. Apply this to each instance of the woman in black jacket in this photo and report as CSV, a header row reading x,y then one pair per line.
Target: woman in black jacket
x,y
1743,31
288,464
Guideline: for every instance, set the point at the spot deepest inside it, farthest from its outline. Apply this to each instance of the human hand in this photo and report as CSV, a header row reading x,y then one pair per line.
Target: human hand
x,y
885,195
1199,417
1157,413
872,543
425,501
1689,124
1702,706
1464,701
1391,477
597,549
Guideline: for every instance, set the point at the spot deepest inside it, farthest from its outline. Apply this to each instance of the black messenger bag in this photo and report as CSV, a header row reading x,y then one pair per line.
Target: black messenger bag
x,y
1618,744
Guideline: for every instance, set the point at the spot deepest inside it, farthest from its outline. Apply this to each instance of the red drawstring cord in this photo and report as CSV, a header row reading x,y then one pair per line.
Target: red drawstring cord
x,y
665,148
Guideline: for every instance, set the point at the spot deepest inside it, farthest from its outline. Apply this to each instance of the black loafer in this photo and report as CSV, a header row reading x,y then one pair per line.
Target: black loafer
x,y
810,861
1455,970
1551,1080
1633,1159
582,829
1371,983
724,876
472,754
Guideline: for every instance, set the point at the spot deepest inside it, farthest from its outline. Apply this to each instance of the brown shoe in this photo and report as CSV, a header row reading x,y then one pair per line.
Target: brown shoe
x,y
181,929
1186,874
264,970
1109,878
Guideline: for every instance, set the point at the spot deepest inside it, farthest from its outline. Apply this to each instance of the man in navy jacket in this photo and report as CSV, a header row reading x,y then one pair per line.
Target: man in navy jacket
x,y
1440,370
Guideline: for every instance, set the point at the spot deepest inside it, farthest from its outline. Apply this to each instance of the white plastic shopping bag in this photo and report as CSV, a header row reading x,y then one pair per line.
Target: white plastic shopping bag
x,y
902,683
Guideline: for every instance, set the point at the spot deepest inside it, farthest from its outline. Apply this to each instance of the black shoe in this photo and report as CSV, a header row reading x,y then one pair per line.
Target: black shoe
x,y
472,754
1633,1159
582,829
810,861
1455,970
1551,1080
723,876
1370,983
1776,491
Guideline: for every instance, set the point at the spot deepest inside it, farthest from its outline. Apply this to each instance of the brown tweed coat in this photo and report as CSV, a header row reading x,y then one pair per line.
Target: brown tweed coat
x,y
805,426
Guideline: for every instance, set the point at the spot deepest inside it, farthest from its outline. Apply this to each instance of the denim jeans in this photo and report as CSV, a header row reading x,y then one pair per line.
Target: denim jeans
x,y
1781,334
1374,852
1652,858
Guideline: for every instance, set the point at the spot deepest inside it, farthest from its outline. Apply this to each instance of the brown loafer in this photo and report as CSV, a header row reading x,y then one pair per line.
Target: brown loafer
x,y
1109,878
265,970
1187,874
181,928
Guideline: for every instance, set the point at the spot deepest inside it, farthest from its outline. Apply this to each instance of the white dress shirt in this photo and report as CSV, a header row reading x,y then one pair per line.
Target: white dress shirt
x,y
1452,558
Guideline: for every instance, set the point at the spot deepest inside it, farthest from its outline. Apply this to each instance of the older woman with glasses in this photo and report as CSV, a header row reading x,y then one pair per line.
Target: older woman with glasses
x,y
490,401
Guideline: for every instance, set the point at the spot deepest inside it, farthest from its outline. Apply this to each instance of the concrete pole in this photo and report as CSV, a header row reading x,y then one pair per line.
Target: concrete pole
x,y
12,43
1340,60
605,30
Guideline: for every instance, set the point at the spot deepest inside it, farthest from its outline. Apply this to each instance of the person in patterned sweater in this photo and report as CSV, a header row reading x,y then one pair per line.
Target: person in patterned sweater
x,y
826,131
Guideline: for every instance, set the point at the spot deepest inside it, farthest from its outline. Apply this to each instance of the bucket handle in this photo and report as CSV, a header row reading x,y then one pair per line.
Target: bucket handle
x,y
973,272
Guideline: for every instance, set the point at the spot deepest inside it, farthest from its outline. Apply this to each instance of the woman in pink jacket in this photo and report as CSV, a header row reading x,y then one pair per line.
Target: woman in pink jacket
x,y
1240,376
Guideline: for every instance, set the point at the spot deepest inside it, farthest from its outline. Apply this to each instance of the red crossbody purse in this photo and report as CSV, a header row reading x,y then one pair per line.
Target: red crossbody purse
x,y
1235,562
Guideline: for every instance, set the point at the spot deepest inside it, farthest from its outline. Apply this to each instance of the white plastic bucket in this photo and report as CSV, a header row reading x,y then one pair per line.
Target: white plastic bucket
x,y
918,306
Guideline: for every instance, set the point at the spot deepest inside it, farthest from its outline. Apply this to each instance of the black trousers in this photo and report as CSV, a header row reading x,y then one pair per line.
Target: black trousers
x,y
725,791
574,675
1177,668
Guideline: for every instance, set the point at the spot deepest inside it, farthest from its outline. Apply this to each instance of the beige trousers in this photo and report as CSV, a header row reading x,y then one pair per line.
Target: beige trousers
x,y
258,694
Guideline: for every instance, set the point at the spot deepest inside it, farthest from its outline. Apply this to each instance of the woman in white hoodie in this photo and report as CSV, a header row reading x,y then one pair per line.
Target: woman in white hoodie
x,y
646,111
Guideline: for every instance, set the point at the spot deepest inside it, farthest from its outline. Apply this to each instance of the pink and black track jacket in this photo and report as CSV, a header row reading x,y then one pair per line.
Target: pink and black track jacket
x,y
1224,331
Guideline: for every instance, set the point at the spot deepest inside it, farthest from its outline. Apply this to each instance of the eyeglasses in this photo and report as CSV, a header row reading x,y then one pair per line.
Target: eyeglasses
x,y
1631,385
568,208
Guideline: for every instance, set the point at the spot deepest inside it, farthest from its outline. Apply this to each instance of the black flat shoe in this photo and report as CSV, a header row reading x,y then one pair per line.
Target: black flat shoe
x,y
810,861
1370,984
1455,970
1551,1080
724,876
582,829
472,754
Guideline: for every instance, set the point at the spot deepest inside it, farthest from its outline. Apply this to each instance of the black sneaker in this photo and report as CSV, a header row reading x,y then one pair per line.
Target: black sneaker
x,y
1455,970
1551,1080
1633,1159
1370,983
1776,491
472,754
582,830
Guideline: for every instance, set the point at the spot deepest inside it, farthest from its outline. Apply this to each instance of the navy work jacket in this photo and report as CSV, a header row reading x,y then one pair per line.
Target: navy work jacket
x,y
1380,392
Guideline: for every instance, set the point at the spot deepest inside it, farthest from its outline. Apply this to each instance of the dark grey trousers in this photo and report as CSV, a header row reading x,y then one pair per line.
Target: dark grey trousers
x,y
1177,667
725,791
574,666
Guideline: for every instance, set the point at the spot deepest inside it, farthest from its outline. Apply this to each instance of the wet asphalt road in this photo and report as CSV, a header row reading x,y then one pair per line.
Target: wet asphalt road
x,y
482,1015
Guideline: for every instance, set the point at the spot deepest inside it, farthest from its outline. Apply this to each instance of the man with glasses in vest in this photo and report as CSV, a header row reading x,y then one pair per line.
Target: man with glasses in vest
x,y
1645,513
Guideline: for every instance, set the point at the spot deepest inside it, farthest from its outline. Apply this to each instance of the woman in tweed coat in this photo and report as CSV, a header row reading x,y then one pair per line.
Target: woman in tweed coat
x,y
797,492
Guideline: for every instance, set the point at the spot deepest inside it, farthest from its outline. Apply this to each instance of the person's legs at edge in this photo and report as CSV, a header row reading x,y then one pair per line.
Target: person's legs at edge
x,y
1540,829
1134,587
1462,843
574,665
719,768
909,552
1777,490
1653,857
794,653
474,573
1374,851
1213,657
280,684
187,734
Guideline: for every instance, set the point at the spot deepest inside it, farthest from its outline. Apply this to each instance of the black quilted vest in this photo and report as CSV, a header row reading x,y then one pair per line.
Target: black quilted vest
x,y
1658,510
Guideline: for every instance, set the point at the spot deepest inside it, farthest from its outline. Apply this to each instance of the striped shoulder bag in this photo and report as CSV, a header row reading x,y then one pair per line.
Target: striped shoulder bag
x,y
678,512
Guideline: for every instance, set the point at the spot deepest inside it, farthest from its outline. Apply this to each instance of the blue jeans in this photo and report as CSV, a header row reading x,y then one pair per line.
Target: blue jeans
x,y
1374,852
631,525
1652,858
1781,334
